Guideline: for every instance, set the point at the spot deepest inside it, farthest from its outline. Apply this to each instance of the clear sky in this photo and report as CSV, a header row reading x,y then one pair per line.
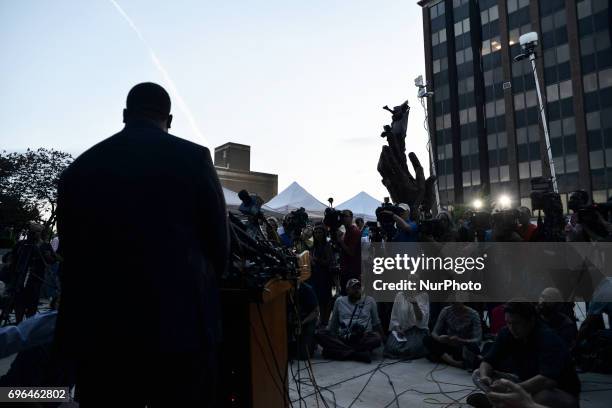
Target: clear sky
x,y
302,82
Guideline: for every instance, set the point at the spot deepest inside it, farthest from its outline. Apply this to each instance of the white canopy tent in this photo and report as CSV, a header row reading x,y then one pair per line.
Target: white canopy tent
x,y
294,197
362,205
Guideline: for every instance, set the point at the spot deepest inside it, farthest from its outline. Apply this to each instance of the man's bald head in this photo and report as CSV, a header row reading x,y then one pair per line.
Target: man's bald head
x,y
551,295
148,101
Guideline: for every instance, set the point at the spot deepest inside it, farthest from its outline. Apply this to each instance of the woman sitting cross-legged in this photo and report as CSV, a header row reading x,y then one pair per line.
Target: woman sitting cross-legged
x,y
408,326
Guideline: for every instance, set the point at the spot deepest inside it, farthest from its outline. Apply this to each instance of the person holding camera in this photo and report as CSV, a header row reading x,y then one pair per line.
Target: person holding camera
x,y
354,329
407,229
321,277
349,243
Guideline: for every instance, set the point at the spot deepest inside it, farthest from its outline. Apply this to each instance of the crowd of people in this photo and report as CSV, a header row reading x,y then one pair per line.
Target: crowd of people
x,y
517,350
533,345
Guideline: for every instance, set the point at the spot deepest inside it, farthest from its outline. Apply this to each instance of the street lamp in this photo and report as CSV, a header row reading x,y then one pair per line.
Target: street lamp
x,y
504,201
477,204
528,42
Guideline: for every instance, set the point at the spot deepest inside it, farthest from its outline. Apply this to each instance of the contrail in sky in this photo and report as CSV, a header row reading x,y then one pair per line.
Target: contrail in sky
x,y
169,82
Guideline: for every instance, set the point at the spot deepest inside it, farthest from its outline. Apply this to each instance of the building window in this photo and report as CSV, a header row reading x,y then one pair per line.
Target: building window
x,y
440,65
489,15
436,10
504,173
438,37
605,78
514,5
596,159
462,27
589,82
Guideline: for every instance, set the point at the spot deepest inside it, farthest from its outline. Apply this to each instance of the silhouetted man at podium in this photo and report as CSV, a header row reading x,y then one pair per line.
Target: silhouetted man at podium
x,y
143,229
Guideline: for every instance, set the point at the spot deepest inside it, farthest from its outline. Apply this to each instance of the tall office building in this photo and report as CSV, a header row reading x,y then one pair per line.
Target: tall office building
x,y
484,116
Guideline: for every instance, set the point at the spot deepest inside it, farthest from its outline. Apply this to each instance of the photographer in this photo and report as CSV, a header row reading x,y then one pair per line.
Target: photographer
x,y
505,226
321,277
350,247
354,329
407,230
589,222
446,231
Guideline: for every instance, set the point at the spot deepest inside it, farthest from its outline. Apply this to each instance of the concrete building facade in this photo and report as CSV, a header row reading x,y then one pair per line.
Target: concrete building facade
x,y
484,116
233,165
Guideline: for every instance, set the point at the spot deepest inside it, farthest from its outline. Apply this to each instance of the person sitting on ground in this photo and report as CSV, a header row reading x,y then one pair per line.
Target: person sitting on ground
x,y
455,337
505,393
408,326
534,356
594,343
600,305
549,310
354,329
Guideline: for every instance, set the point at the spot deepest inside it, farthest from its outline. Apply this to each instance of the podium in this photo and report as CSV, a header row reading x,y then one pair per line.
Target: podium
x,y
254,351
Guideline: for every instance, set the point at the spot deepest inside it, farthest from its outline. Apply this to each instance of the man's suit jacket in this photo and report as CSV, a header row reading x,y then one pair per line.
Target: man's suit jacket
x,y
143,231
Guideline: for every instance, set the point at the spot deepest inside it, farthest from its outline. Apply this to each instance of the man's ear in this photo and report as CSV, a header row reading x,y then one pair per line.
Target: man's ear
x,y
169,121
125,115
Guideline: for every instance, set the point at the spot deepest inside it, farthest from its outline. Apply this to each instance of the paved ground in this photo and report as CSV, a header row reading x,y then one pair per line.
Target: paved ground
x,y
417,383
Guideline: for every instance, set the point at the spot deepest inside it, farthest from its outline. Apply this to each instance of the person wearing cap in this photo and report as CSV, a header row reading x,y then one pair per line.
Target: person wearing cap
x,y
350,246
354,329
406,228
158,199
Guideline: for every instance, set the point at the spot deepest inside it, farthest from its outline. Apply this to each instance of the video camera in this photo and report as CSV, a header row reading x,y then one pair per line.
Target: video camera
x,y
543,197
387,223
332,217
385,218
506,220
589,215
296,221
480,221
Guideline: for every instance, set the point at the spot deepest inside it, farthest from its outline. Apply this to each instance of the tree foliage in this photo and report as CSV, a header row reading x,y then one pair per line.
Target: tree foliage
x,y
28,186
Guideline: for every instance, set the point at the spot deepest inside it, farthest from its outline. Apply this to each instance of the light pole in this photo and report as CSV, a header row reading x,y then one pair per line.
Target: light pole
x,y
528,42
422,94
